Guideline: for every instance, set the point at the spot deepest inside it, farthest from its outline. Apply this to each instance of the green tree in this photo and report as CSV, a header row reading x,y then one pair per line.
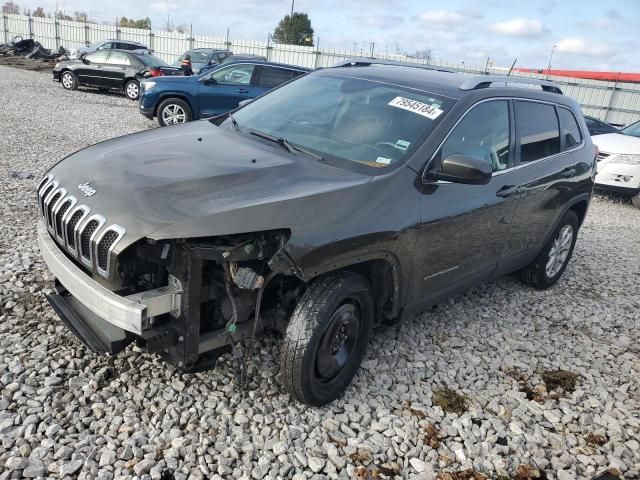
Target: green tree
x,y
10,7
81,17
39,12
140,23
60,15
294,30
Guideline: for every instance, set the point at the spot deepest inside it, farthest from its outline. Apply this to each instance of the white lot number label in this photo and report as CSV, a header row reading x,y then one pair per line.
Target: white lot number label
x,y
430,111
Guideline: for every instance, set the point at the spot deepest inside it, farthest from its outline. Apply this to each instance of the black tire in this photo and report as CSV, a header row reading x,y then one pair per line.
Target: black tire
x,y
69,80
539,274
635,200
176,106
327,338
132,89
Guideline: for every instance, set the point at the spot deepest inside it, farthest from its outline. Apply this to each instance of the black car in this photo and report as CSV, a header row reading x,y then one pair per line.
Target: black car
x,y
111,69
352,196
598,127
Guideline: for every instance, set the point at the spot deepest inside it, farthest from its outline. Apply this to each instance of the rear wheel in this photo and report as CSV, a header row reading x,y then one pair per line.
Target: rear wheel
x,y
174,111
551,262
69,80
132,89
327,338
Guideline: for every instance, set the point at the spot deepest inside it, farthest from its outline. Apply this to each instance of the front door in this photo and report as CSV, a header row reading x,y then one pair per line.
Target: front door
x,y
90,73
464,228
223,89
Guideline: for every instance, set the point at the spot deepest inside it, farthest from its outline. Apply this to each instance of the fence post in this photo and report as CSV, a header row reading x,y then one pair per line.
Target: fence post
x,y
56,26
191,37
228,42
117,29
317,52
86,32
613,94
29,20
269,47
151,37
5,27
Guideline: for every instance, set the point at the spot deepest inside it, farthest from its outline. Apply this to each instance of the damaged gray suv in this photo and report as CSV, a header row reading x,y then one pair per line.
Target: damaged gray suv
x,y
349,197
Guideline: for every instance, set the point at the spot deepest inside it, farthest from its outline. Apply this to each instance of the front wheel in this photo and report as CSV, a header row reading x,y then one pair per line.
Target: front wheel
x,y
173,111
635,200
551,262
69,81
327,338
132,89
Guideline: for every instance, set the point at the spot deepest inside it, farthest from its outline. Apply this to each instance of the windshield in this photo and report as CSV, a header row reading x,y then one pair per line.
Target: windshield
x,y
197,56
151,61
633,130
343,118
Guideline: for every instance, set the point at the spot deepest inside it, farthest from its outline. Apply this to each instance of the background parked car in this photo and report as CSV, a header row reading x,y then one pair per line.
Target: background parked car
x,y
204,58
598,127
619,162
76,53
182,99
107,69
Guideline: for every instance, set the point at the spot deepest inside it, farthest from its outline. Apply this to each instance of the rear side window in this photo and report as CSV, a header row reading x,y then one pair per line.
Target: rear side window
x,y
570,130
97,57
538,130
482,133
270,77
118,58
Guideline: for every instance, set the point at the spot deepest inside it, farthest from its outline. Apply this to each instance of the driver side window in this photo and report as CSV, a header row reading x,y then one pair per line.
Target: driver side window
x,y
234,75
482,133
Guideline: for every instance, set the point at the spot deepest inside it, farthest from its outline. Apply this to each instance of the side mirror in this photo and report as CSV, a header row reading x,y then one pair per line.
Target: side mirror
x,y
460,168
242,103
209,81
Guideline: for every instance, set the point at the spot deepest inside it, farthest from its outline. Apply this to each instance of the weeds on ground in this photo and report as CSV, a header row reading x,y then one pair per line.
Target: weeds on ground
x,y
450,401
461,475
563,379
432,436
595,439
379,471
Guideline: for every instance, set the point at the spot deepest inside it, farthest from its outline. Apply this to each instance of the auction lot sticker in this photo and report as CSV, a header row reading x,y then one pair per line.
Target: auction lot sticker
x,y
430,111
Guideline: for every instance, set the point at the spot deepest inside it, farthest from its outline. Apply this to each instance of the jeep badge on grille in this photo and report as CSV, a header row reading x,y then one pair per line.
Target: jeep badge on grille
x,y
87,189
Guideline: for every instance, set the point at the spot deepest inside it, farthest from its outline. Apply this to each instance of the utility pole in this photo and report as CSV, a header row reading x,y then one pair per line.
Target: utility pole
x,y
550,58
292,2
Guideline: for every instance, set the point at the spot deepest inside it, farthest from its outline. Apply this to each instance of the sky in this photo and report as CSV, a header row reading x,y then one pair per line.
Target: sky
x,y
588,34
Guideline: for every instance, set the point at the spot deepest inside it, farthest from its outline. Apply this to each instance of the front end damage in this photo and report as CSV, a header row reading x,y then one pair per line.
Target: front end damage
x,y
187,300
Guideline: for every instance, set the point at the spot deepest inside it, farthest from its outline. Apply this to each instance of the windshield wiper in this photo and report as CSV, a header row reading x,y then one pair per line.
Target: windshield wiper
x,y
284,143
236,127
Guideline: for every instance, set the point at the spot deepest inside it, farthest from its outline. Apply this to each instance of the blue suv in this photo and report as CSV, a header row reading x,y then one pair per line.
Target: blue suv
x,y
182,99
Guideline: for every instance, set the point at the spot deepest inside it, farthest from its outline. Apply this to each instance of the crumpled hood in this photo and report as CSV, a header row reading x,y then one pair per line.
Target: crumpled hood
x,y
617,143
198,180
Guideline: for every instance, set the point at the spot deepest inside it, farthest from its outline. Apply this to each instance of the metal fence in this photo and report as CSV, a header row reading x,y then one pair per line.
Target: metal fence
x,y
613,102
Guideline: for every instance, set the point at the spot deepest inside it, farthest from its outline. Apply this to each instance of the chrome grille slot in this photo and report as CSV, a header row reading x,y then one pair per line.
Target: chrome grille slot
x,y
85,238
46,191
58,216
51,203
602,155
104,246
43,182
70,229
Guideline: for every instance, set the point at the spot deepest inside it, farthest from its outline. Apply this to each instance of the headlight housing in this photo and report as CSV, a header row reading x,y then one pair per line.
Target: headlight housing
x,y
148,85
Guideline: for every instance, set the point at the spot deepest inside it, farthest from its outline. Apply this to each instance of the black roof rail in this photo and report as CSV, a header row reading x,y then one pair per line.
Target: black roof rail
x,y
486,81
367,62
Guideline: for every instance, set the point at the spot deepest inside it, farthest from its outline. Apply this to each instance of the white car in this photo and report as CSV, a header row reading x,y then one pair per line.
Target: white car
x,y
619,162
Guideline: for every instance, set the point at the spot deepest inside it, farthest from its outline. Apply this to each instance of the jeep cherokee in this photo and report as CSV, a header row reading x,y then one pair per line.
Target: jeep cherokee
x,y
349,197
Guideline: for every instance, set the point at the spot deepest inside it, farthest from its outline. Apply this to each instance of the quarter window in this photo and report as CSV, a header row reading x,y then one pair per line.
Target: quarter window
x,y
234,75
570,130
482,133
538,130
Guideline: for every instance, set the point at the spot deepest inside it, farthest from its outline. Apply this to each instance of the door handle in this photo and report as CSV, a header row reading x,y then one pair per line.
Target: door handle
x,y
242,90
507,191
568,172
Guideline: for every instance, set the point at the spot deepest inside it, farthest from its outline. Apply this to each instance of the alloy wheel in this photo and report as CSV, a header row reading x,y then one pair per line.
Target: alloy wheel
x,y
67,80
559,251
173,114
132,90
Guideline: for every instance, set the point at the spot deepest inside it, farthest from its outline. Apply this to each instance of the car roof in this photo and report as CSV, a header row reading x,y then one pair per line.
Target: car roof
x,y
204,49
451,84
123,41
263,62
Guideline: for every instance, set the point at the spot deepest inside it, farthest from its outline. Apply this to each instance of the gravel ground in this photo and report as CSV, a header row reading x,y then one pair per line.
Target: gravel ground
x,y
490,355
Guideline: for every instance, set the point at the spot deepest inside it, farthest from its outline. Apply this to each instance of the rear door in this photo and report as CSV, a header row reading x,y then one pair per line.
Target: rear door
x,y
90,72
464,228
115,68
552,169
230,86
268,77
